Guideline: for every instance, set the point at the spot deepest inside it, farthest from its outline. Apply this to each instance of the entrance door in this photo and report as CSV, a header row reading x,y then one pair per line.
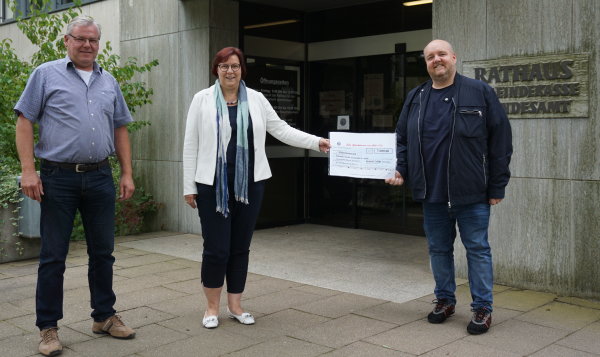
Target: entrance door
x,y
280,81
370,90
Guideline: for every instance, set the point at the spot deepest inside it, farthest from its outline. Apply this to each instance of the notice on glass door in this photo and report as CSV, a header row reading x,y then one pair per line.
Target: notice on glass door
x,y
373,89
362,155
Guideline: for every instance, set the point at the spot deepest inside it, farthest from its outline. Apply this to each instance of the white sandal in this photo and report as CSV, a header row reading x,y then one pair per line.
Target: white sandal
x,y
210,321
245,318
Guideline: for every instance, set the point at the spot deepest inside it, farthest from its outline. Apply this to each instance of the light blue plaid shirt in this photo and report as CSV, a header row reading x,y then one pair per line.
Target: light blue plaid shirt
x,y
76,121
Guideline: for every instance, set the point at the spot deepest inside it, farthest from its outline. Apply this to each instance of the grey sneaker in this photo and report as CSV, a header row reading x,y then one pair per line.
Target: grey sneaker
x,y
50,344
481,321
442,310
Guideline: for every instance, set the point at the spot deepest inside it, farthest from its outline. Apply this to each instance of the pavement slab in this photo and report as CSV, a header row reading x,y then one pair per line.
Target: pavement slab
x,y
136,271
398,314
7,330
522,300
208,343
587,339
144,297
181,274
189,324
25,323
561,351
76,271
134,318
464,314
419,337
187,263
127,285
192,286
73,261
267,286
339,305
518,337
8,311
290,320
22,345
467,349
561,316
15,269
280,300
139,260
257,332
361,349
17,282
182,306
342,331
130,251
317,291
147,338
27,344
280,323
589,304
282,347
16,294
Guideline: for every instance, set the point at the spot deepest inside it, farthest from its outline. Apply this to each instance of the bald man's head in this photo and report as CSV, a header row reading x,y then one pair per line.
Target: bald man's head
x,y
441,62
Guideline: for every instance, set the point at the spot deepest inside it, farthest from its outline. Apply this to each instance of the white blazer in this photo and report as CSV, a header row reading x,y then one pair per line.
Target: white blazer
x,y
200,143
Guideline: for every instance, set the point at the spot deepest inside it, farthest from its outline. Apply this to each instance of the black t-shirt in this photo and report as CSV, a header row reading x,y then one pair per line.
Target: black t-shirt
x,y
437,126
232,146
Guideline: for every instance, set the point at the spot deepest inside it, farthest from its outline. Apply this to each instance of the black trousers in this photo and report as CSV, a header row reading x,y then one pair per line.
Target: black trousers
x,y
227,240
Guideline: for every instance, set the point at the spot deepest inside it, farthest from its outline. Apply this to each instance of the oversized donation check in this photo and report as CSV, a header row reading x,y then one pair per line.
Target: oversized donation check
x,y
362,155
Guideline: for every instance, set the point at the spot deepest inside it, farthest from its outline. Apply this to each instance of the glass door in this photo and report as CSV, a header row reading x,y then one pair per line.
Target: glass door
x,y
280,81
369,92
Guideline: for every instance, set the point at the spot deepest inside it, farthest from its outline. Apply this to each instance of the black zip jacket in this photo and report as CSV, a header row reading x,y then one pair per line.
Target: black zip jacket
x,y
480,143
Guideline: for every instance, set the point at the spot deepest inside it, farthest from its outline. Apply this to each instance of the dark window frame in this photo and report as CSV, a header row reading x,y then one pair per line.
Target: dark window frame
x,y
23,7
3,11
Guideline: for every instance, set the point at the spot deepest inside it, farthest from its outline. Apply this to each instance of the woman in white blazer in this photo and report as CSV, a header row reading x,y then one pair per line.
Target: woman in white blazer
x,y
224,169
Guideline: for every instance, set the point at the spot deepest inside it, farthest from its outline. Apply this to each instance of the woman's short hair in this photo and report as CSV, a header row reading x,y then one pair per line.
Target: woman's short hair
x,y
83,20
223,55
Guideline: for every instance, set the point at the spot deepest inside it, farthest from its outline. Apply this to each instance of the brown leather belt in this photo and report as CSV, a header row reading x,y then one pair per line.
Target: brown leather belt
x,y
77,167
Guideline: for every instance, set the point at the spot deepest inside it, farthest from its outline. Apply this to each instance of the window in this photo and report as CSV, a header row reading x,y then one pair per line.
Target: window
x,y
23,6
62,4
5,12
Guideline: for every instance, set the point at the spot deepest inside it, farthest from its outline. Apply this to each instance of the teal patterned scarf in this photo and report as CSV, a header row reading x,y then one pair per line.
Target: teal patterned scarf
x,y
241,157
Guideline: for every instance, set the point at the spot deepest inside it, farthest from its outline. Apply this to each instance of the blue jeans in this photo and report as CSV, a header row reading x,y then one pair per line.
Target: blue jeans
x,y
93,194
440,229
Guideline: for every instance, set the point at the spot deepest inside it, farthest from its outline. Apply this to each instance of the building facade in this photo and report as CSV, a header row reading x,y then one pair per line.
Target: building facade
x,y
346,65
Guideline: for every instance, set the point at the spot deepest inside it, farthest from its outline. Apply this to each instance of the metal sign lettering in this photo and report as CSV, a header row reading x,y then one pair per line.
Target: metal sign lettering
x,y
544,86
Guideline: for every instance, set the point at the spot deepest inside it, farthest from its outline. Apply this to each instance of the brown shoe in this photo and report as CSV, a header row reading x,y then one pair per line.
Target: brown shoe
x,y
115,327
50,344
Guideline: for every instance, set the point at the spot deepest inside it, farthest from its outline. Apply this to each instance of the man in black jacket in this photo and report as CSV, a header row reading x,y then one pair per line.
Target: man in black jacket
x,y
454,145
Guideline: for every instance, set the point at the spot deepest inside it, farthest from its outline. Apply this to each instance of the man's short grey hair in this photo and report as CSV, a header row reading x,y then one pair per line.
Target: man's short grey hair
x,y
83,20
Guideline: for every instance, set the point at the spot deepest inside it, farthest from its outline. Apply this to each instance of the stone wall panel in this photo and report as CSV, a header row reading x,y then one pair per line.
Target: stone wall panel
x,y
544,235
147,18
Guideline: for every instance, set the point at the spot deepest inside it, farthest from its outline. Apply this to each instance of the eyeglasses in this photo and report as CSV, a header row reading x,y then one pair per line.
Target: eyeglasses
x,y
225,67
81,41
